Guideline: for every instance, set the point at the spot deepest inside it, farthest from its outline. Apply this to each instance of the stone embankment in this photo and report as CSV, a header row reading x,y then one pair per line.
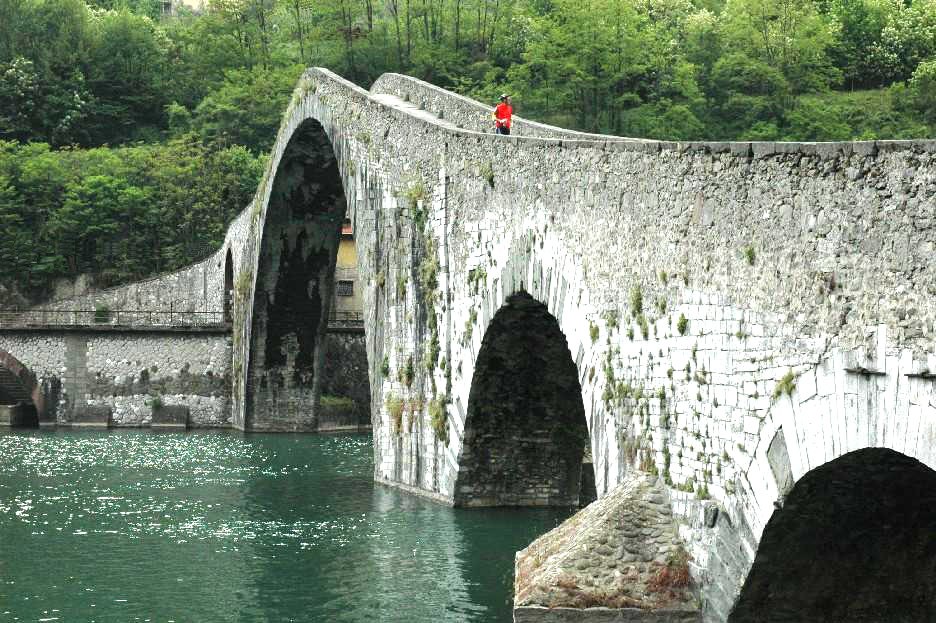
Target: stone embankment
x,y
618,559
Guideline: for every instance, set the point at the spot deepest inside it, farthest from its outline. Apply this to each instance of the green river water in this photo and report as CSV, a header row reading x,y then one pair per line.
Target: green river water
x,y
211,526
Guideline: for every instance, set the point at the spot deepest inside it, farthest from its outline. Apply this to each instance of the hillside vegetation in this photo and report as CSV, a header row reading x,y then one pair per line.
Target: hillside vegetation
x,y
129,140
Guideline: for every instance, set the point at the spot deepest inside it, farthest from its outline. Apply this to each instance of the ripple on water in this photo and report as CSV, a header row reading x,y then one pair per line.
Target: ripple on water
x,y
128,525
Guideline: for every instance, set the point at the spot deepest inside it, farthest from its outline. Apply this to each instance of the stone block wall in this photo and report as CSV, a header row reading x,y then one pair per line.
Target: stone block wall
x,y
196,288
123,372
345,371
711,295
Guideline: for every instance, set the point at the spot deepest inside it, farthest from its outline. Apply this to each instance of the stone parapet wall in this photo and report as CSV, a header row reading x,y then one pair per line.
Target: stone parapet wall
x,y
466,113
128,373
196,288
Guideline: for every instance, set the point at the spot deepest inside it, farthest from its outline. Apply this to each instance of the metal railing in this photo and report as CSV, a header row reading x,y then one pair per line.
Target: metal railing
x,y
109,317
346,319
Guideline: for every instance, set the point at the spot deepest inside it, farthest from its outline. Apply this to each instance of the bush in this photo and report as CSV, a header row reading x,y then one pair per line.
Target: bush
x,y
102,314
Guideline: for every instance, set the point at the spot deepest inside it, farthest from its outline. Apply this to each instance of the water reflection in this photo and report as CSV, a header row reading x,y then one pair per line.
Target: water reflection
x,y
224,527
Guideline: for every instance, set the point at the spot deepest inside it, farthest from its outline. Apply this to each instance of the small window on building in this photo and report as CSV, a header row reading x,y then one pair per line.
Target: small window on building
x,y
345,288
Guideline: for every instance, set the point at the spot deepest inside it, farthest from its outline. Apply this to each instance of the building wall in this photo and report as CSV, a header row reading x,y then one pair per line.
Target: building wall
x,y
346,269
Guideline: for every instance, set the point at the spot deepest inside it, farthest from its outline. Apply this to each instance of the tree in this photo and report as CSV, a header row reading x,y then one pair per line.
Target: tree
x,y
923,90
788,35
246,110
747,92
127,74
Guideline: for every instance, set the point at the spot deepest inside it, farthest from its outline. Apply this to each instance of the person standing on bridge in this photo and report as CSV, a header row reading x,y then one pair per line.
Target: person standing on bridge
x,y
502,115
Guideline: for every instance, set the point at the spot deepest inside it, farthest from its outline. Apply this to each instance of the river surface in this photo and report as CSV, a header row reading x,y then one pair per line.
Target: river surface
x,y
218,526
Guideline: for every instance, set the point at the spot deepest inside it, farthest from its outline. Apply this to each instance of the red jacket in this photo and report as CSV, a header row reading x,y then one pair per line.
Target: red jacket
x,y
503,111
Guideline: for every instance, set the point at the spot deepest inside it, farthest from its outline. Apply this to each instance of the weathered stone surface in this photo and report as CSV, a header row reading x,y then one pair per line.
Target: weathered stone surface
x,y
170,417
620,552
123,371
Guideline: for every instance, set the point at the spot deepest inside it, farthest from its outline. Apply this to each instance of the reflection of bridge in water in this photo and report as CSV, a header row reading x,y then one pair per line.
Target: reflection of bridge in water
x,y
731,316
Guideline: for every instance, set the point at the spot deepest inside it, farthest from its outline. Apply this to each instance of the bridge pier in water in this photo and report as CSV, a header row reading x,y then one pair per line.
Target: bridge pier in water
x,y
525,433
294,286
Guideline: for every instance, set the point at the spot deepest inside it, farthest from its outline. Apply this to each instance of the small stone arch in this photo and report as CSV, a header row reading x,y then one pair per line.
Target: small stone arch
x,y
853,540
525,429
19,386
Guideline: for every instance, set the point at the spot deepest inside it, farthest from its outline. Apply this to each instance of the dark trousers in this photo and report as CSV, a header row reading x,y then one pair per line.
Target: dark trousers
x,y
502,129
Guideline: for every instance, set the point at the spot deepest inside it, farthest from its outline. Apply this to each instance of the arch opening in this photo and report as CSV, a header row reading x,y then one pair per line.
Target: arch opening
x,y
295,281
855,540
228,287
525,432
17,393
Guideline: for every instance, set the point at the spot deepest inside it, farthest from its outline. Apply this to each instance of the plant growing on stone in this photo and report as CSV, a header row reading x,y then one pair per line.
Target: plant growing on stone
x,y
469,324
644,326
593,331
380,279
402,280
785,385
477,278
636,301
438,418
487,173
407,372
682,325
394,406
432,351
385,367
154,402
428,272
672,578
749,255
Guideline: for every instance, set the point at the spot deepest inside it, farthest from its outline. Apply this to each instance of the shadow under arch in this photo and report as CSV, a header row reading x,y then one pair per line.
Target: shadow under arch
x,y
228,294
294,284
525,431
19,388
855,540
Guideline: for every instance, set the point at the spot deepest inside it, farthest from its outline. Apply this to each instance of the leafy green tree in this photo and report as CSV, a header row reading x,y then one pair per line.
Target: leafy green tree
x,y
747,92
127,74
788,35
246,110
923,90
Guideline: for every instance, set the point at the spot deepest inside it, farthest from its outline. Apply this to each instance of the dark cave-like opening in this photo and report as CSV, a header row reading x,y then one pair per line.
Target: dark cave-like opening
x,y
294,284
855,540
525,432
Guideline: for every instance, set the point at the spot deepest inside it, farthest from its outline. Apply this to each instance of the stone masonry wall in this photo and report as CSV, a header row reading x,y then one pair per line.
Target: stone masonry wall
x,y
198,287
345,370
712,295
124,372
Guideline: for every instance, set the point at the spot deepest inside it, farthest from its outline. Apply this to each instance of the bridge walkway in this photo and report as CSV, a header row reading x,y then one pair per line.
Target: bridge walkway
x,y
412,109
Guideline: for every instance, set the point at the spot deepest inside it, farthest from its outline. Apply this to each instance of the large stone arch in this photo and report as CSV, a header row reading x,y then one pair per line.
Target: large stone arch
x,y
293,288
852,540
525,431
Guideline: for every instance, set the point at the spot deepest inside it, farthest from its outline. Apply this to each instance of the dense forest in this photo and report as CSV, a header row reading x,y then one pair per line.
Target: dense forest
x,y
128,139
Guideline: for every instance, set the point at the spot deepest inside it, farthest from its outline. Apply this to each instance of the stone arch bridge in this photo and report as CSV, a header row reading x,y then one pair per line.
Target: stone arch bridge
x,y
739,319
